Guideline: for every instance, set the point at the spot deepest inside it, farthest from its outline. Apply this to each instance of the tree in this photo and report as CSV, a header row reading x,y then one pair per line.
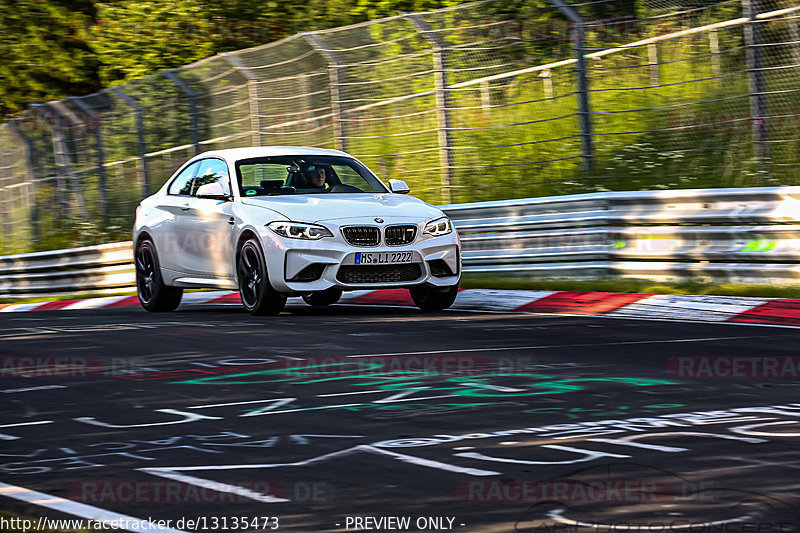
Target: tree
x,y
43,56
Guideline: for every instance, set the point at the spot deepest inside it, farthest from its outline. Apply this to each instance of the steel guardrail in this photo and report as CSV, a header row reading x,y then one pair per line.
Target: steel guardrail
x,y
747,235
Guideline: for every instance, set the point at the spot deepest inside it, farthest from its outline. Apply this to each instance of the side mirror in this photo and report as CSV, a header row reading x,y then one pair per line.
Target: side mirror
x,y
399,187
213,191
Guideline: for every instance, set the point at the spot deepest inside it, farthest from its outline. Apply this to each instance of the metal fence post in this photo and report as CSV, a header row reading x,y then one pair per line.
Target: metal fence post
x,y
142,147
334,82
252,80
93,123
63,159
62,190
442,102
758,98
582,79
30,163
6,201
192,96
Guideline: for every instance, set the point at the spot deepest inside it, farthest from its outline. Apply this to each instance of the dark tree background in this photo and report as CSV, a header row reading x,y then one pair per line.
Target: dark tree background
x,y
56,48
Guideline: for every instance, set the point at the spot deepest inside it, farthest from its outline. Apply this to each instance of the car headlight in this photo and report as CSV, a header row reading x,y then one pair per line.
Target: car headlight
x,y
300,230
440,226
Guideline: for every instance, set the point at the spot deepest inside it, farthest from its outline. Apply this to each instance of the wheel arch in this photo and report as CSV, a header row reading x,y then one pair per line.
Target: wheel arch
x,y
143,235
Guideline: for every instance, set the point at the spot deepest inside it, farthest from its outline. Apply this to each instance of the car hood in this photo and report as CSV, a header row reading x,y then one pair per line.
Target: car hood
x,y
322,207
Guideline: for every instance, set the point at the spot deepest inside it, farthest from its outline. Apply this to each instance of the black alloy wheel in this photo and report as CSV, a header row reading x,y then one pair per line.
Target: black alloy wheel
x,y
258,296
153,294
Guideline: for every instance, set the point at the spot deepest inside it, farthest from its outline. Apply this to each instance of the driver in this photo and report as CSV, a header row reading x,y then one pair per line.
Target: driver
x,y
317,177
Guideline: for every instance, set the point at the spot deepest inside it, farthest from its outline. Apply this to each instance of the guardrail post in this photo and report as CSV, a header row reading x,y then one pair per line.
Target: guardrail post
x,y
192,96
30,163
758,97
582,79
334,82
252,90
94,123
442,102
144,174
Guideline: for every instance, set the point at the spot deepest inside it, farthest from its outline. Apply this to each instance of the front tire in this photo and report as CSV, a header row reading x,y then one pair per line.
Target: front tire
x,y
323,298
153,294
431,298
258,296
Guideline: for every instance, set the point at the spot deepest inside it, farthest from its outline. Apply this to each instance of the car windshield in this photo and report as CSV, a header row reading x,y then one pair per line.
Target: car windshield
x,y
304,174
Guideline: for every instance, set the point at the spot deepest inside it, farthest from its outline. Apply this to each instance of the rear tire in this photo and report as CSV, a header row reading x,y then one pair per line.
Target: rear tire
x,y
258,296
431,298
323,298
153,294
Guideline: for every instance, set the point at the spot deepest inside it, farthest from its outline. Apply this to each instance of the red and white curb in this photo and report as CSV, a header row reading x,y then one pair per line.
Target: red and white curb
x,y
615,305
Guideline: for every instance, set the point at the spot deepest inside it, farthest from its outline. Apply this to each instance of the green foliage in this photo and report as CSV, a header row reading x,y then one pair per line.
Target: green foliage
x,y
57,48
133,38
42,58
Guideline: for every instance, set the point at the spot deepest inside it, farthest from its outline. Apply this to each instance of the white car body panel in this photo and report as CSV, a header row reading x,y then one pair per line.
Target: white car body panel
x,y
196,238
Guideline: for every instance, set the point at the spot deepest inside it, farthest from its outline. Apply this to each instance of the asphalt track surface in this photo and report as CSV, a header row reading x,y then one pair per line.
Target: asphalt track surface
x,y
455,421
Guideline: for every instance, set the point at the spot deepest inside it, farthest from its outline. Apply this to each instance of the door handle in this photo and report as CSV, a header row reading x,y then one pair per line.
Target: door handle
x,y
231,221
185,207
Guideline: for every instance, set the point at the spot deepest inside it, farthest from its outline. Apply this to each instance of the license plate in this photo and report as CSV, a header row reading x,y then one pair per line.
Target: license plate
x,y
382,258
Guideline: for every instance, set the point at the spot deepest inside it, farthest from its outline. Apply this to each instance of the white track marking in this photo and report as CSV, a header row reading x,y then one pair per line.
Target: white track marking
x,y
12,437
173,472
80,510
94,303
703,308
277,403
430,463
29,389
557,516
548,346
193,298
215,486
18,308
497,300
350,393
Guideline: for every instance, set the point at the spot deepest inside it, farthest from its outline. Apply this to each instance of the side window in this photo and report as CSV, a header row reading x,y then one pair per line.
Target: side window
x,y
182,184
211,171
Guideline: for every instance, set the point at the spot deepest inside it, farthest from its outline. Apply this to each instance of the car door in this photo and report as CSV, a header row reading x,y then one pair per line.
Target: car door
x,y
207,226
166,231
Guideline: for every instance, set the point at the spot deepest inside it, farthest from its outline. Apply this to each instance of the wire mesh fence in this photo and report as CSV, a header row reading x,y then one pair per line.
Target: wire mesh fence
x,y
490,100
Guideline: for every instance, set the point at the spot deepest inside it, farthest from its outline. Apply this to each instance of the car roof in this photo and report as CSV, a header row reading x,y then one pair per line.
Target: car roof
x,y
235,154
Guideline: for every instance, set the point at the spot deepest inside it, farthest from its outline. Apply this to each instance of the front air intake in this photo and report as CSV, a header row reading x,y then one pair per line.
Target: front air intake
x,y
362,235
399,235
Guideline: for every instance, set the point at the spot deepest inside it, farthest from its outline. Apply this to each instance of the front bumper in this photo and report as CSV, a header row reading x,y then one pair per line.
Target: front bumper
x,y
288,258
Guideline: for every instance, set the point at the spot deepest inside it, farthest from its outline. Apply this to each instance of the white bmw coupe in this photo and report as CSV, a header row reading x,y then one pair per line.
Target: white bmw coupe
x,y
274,222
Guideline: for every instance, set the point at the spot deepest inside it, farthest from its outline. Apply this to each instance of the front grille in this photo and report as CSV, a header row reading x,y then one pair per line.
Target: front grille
x,y
310,273
362,235
440,268
379,273
398,235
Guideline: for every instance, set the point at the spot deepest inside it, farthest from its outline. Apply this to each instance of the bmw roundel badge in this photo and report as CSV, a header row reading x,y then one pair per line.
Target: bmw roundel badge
x,y
379,220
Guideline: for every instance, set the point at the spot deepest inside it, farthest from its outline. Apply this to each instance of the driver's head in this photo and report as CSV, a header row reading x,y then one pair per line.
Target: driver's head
x,y
317,176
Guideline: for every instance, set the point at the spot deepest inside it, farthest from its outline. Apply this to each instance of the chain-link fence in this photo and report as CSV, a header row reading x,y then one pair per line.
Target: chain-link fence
x,y
490,100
